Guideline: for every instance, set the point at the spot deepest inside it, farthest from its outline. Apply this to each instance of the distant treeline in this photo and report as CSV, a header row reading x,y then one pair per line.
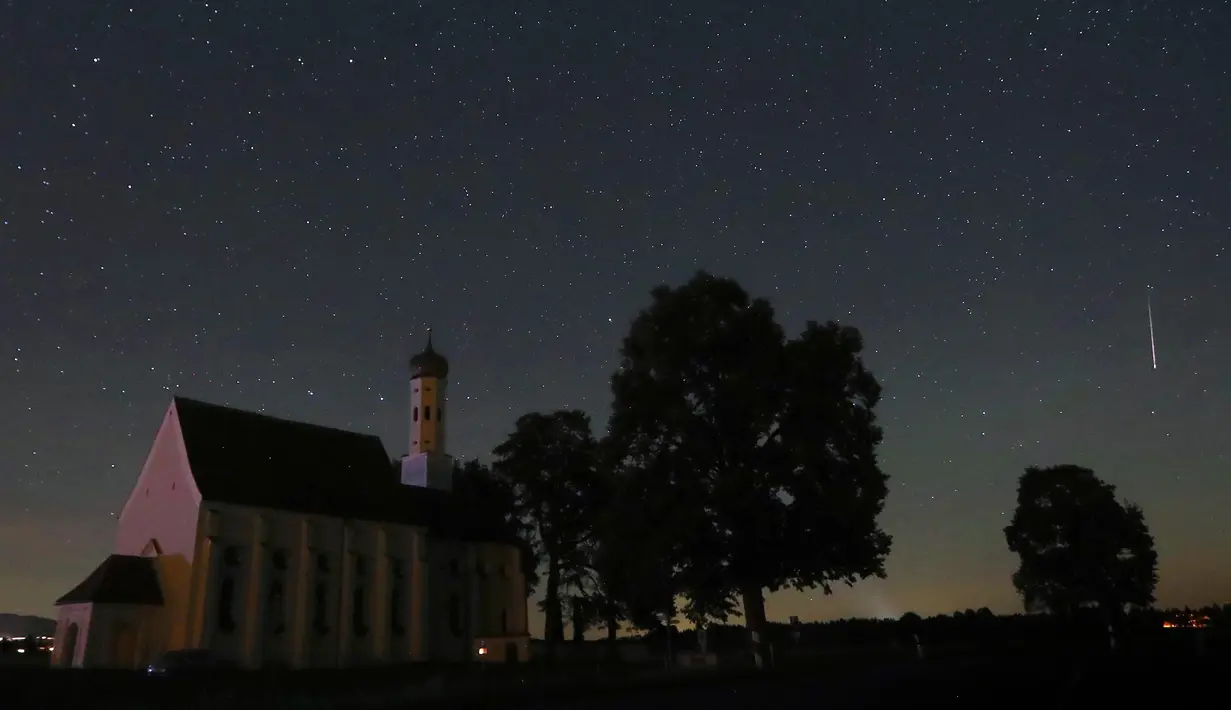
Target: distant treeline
x,y
981,627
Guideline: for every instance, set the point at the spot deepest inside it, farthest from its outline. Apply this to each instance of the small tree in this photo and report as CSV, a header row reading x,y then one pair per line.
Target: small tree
x,y
549,462
1079,547
490,496
602,575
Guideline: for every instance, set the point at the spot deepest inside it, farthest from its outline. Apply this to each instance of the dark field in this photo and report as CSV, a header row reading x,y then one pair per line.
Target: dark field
x,y
1141,678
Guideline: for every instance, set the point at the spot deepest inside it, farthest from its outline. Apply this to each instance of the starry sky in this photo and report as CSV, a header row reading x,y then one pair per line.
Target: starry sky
x,y
266,204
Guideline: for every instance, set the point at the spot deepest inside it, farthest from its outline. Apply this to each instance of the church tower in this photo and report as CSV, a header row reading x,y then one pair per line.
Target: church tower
x,y
429,372
428,464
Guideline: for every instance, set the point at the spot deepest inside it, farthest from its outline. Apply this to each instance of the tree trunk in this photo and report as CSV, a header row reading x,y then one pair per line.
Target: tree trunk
x,y
579,620
670,647
669,623
553,622
754,619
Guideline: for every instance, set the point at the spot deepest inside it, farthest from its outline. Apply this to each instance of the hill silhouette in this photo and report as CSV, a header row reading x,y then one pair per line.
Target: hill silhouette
x,y
23,625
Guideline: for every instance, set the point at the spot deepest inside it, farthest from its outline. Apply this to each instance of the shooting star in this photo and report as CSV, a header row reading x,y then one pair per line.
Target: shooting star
x,y
1150,313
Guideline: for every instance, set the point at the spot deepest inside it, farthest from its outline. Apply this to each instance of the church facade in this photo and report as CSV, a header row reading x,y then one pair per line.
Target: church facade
x,y
276,543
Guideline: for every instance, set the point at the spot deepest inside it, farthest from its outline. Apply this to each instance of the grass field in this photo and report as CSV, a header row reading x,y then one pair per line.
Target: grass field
x,y
1169,674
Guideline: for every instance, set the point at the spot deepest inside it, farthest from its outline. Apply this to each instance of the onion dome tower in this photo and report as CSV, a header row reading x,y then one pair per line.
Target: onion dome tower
x,y
428,463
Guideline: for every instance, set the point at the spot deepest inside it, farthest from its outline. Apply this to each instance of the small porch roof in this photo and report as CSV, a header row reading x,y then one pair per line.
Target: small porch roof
x,y
120,579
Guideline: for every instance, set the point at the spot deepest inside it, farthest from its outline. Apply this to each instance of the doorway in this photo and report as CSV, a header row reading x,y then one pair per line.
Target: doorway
x,y
125,647
69,651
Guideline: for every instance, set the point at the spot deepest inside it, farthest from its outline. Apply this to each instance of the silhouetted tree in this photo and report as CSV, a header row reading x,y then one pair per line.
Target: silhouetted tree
x,y
600,580
549,461
648,527
771,443
1079,546
909,626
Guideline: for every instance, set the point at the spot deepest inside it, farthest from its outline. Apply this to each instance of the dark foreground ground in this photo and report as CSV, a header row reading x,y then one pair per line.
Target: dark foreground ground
x,y
951,684
1120,681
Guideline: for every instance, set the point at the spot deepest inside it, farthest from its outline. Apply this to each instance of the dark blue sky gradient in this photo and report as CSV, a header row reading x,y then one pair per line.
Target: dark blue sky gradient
x,y
266,204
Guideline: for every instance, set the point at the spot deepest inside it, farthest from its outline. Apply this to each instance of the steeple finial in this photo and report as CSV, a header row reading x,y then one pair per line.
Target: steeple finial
x,y
429,363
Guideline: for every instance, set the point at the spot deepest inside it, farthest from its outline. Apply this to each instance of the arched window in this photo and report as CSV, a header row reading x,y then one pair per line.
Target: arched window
x,y
414,414
396,580
359,616
274,607
359,601
455,614
320,617
427,412
226,605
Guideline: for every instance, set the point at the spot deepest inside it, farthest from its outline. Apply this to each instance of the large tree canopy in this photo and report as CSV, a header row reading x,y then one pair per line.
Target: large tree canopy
x,y
550,463
769,443
1079,546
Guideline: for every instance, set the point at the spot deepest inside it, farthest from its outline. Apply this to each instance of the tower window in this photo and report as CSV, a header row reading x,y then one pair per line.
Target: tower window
x,y
427,413
440,414
414,414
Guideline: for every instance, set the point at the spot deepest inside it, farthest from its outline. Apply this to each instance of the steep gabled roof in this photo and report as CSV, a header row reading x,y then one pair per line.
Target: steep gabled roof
x,y
251,459
120,579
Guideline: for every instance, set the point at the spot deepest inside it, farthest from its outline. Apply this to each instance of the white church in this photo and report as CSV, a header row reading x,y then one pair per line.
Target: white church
x,y
275,543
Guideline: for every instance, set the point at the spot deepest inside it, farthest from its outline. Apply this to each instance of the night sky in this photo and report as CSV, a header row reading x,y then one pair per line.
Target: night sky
x,y
266,204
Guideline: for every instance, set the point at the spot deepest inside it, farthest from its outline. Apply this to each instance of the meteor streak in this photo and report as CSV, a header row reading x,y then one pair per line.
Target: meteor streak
x,y
1150,313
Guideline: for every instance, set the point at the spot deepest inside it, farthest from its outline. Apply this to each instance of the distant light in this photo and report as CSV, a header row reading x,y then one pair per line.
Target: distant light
x,y
21,650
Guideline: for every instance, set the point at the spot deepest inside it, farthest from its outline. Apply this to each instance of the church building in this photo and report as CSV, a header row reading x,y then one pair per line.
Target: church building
x,y
275,543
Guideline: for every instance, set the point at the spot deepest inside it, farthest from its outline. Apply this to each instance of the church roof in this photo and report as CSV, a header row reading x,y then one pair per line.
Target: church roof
x,y
251,459
120,579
